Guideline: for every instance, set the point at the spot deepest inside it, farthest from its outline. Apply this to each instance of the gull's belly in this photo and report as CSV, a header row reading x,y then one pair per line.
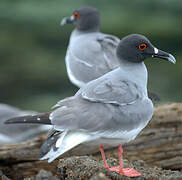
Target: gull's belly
x,y
120,137
113,140
116,138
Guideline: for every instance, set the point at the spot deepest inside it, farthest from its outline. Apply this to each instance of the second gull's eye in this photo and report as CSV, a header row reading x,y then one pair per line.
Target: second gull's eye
x,y
76,15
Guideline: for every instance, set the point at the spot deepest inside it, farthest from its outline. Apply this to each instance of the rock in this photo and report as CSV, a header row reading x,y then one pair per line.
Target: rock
x,y
85,168
43,175
3,177
99,176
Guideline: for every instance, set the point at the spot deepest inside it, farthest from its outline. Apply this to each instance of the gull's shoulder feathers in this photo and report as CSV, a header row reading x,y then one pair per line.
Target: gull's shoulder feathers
x,y
111,90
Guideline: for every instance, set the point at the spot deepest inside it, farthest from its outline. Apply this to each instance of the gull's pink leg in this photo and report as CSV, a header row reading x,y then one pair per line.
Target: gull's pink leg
x,y
103,156
130,172
120,152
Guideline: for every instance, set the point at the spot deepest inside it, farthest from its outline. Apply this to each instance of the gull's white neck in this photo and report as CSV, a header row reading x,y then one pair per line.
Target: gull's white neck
x,y
136,72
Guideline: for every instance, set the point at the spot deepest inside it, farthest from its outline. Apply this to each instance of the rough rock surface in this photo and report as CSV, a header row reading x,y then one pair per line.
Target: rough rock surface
x,y
43,175
85,167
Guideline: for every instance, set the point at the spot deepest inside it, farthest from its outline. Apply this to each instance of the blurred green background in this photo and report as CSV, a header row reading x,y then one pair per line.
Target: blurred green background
x,y
33,45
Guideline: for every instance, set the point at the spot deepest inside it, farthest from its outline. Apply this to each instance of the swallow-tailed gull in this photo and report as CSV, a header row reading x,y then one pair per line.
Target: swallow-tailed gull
x,y
106,112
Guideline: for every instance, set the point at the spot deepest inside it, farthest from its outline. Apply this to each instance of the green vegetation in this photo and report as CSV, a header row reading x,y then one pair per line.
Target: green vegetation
x,y
33,46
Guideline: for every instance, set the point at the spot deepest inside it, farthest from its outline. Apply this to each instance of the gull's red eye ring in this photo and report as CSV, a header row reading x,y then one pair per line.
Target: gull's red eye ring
x,y
76,15
142,46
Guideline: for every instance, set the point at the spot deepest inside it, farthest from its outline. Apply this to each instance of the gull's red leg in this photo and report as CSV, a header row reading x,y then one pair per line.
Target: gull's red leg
x,y
130,172
120,152
103,156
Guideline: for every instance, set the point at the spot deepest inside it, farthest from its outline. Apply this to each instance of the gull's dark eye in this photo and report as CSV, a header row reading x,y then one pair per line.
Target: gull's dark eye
x,y
76,15
142,46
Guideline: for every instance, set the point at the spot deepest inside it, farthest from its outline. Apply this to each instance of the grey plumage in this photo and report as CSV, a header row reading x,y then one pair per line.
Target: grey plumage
x,y
98,102
90,56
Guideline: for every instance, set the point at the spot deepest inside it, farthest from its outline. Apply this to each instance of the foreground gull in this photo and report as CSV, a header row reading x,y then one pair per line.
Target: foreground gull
x,y
106,112
16,133
90,53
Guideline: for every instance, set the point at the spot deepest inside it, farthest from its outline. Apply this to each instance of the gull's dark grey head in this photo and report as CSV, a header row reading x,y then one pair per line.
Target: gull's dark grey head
x,y
136,48
85,19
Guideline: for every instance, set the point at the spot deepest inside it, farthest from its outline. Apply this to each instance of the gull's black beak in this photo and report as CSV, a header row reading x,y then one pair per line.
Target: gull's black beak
x,y
163,55
67,20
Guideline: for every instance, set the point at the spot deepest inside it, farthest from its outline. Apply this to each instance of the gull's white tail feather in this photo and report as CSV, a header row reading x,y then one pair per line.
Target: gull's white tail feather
x,y
66,141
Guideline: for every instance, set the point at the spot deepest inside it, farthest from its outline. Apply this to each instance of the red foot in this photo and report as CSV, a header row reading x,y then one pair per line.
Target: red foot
x,y
129,172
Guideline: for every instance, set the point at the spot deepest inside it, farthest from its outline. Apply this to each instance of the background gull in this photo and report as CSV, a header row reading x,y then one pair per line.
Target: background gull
x,y
90,53
16,133
106,112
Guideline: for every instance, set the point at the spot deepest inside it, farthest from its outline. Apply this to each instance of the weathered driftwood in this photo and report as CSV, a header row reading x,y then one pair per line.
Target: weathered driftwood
x,y
160,144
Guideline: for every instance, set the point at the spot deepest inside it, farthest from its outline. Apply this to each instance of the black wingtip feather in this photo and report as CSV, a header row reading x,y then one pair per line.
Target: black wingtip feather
x,y
49,143
153,96
35,119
